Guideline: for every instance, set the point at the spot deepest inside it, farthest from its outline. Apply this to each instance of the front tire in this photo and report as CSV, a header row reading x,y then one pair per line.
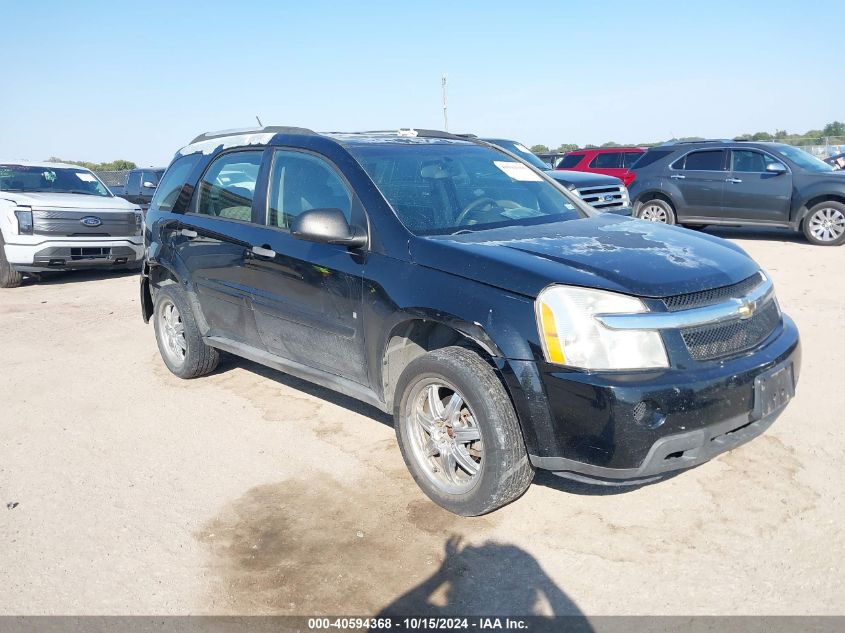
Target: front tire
x,y
9,277
824,224
179,339
657,210
459,434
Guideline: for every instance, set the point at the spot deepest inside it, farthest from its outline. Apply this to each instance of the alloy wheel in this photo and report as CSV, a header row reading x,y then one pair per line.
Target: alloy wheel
x,y
653,213
445,438
827,224
173,332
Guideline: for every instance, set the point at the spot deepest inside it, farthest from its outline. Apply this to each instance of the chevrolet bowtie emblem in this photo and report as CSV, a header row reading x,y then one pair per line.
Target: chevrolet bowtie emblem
x,y
745,310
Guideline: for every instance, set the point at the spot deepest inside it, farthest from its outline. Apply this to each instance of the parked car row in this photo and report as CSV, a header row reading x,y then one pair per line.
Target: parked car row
x,y
506,324
741,184
137,185
723,182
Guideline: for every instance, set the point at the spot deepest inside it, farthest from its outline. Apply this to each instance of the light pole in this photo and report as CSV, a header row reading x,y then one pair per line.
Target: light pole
x,y
445,105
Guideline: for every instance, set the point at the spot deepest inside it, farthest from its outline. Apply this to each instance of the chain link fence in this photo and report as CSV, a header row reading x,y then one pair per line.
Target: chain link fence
x,y
113,178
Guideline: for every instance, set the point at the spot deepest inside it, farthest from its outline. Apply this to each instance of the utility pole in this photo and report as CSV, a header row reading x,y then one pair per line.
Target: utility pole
x,y
445,105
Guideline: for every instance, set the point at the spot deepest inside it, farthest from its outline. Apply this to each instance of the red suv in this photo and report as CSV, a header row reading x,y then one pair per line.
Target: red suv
x,y
613,161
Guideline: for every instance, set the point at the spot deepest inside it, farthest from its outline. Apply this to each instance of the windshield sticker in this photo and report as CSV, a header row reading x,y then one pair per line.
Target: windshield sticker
x,y
85,177
522,148
49,176
518,171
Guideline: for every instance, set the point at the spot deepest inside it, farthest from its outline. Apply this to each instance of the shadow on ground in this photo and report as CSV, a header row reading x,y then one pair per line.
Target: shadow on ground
x,y
491,579
53,278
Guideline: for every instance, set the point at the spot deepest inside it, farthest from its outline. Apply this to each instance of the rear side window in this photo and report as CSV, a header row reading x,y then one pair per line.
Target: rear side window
x,y
651,157
570,160
707,160
629,158
608,160
300,182
228,186
171,183
149,177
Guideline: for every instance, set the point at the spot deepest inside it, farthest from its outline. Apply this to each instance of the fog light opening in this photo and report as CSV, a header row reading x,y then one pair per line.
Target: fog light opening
x,y
648,414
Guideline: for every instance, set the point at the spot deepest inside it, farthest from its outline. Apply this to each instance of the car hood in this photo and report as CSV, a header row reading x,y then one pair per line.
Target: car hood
x,y
583,178
614,253
42,200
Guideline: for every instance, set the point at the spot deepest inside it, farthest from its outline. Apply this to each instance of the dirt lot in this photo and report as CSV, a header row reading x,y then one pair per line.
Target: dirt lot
x,y
251,492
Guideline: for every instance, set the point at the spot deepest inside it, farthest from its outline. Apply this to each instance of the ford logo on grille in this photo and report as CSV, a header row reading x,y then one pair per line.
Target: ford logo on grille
x,y
91,220
608,198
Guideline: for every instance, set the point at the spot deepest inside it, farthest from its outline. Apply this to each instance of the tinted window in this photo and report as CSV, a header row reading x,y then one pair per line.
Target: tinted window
x,y
651,157
450,187
171,183
300,182
228,186
570,160
608,160
710,160
629,158
749,161
523,152
150,176
133,182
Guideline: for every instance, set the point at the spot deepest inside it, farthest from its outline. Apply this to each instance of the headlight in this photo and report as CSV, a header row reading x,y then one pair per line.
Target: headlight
x,y
24,217
571,335
139,223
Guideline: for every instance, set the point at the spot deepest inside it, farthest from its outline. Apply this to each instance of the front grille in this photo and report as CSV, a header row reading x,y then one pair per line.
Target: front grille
x,y
710,297
714,341
605,197
66,223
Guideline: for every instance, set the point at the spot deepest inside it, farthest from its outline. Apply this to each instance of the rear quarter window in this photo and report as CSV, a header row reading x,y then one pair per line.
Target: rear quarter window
x,y
608,160
651,157
170,185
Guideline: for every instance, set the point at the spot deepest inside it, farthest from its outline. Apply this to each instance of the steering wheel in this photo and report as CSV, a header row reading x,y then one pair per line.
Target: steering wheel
x,y
473,206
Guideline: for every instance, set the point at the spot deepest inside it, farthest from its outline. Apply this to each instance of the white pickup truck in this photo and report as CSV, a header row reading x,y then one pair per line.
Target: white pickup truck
x,y
55,216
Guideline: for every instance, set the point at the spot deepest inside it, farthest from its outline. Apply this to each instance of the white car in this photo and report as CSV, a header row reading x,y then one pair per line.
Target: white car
x,y
55,216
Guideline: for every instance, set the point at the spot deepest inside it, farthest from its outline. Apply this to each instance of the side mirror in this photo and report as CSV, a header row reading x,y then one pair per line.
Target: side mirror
x,y
327,226
149,185
776,168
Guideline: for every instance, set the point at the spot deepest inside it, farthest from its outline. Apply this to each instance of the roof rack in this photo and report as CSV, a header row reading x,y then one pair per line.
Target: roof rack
x,y
706,140
268,129
419,133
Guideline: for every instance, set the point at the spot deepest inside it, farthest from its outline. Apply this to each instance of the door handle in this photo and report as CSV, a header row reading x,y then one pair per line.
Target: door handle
x,y
678,176
262,251
733,179
188,233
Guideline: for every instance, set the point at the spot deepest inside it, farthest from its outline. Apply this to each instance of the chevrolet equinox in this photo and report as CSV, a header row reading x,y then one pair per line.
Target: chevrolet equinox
x,y
504,323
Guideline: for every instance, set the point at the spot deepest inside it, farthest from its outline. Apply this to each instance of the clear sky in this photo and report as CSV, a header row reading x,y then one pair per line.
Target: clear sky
x,y
137,79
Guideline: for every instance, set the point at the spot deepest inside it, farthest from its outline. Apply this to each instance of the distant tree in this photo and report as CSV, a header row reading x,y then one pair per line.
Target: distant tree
x,y
837,128
539,149
566,147
762,136
115,165
611,144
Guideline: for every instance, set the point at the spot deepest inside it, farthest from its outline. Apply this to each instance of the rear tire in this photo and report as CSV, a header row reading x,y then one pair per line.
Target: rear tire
x,y
824,224
9,277
657,210
459,434
179,339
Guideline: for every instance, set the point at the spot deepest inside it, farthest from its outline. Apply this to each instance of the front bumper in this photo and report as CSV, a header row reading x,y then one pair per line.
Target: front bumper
x,y
612,427
74,254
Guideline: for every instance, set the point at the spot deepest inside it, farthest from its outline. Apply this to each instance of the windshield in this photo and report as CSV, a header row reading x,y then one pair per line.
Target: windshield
x,y
523,152
802,158
442,188
27,178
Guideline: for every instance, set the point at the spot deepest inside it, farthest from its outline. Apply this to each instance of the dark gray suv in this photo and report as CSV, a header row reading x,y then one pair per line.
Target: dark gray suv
x,y
740,183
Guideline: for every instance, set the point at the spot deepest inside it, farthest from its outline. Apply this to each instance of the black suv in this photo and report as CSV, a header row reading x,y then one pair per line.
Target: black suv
x,y
504,323
741,183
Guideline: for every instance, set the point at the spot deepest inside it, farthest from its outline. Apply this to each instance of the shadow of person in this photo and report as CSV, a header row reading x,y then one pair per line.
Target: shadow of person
x,y
489,580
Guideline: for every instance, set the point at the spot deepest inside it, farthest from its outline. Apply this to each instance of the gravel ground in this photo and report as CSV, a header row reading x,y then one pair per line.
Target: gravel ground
x,y
249,491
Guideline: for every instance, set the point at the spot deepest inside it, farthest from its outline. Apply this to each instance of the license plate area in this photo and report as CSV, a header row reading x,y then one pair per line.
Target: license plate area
x,y
773,390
